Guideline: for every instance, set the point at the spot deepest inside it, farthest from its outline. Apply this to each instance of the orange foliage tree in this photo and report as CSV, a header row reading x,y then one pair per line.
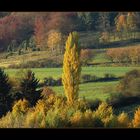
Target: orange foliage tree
x,y
40,32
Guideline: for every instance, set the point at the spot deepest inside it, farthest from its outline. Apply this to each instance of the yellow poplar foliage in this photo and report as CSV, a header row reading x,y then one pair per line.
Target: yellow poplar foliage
x,y
71,68
136,120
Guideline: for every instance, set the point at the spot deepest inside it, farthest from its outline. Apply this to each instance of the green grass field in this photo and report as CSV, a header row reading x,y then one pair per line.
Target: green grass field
x,y
92,91
41,73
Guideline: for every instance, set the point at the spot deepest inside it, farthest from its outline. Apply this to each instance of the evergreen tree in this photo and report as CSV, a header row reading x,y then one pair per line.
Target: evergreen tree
x,y
29,85
71,68
5,97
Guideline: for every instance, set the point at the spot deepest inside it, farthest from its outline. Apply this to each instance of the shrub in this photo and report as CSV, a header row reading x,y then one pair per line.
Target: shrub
x,y
126,84
134,87
108,75
47,91
49,81
94,104
54,119
85,119
34,119
86,77
115,98
37,64
86,55
77,119
52,82
11,121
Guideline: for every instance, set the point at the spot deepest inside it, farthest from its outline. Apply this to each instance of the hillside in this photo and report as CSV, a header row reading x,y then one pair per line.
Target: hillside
x,y
95,27
33,58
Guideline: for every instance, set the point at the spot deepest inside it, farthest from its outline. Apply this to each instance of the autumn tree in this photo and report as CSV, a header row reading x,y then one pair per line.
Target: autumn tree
x,y
129,84
121,24
129,55
85,56
40,32
71,68
13,27
132,22
65,22
54,40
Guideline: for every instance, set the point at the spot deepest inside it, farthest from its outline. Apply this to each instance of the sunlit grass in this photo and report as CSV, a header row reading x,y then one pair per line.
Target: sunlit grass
x,y
92,91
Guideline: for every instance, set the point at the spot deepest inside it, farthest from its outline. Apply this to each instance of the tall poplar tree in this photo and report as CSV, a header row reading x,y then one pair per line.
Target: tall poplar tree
x,y
71,68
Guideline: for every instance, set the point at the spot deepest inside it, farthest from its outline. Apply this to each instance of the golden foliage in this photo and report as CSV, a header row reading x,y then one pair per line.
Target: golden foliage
x,y
136,120
104,112
76,118
54,40
71,68
20,107
123,120
41,107
85,119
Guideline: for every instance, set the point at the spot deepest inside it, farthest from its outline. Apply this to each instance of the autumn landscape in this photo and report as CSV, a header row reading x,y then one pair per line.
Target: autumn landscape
x,y
69,69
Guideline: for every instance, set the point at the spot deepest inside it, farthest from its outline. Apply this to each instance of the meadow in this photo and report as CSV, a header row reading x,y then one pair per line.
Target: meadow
x,y
41,73
90,91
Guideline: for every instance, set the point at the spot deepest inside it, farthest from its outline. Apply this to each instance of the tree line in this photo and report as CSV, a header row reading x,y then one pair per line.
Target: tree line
x,y
129,55
50,29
